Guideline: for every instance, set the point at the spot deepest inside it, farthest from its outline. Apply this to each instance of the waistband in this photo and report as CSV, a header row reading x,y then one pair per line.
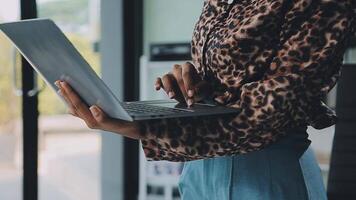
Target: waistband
x,y
294,138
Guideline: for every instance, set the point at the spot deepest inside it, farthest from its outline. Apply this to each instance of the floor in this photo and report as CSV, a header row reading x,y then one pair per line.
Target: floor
x,y
68,162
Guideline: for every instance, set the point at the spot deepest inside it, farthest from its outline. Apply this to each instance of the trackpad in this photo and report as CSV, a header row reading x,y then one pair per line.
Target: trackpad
x,y
196,106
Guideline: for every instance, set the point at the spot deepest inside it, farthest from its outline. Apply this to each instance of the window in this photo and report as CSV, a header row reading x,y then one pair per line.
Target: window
x,y
10,109
69,152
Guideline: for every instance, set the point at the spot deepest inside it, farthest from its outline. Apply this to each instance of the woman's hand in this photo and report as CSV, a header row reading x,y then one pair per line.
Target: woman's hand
x,y
184,84
94,117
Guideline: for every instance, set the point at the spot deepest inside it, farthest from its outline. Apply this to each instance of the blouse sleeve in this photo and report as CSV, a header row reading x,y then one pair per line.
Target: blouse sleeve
x,y
267,107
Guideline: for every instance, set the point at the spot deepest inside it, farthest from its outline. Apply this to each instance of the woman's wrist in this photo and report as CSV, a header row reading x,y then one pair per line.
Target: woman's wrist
x,y
126,129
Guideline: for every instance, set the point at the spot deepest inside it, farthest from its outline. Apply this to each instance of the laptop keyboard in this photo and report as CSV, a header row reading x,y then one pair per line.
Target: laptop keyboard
x,y
136,108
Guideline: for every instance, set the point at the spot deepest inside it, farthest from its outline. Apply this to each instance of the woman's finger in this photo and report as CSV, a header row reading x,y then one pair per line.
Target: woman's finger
x,y
69,103
190,79
73,97
158,84
80,107
177,73
66,99
99,115
171,87
167,81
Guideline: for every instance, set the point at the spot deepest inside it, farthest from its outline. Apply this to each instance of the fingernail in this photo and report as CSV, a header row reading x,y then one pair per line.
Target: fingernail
x,y
57,84
190,102
170,94
94,110
190,93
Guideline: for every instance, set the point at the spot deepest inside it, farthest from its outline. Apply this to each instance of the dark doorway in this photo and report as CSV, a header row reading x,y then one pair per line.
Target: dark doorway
x,y
30,117
133,49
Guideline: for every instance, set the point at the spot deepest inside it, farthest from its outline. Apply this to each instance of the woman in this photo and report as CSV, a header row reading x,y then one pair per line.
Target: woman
x,y
273,59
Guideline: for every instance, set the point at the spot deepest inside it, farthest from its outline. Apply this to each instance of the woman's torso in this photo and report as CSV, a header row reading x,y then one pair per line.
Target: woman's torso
x,y
238,43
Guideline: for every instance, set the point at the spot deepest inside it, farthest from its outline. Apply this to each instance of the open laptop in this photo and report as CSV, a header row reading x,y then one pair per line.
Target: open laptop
x,y
53,56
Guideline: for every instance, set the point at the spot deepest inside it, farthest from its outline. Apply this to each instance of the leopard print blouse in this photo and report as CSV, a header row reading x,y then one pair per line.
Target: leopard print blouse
x,y
273,59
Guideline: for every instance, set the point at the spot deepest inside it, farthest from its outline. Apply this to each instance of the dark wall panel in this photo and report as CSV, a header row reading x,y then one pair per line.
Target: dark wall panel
x,y
342,175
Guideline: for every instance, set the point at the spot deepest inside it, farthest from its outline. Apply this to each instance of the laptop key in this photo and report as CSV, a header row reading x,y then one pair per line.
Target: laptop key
x,y
150,109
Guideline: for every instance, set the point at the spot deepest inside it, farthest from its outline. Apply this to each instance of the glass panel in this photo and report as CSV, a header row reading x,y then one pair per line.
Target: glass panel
x,y
10,109
69,151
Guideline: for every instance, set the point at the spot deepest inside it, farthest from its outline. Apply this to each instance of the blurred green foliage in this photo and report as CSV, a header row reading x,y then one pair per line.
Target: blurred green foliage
x,y
10,105
72,12
70,15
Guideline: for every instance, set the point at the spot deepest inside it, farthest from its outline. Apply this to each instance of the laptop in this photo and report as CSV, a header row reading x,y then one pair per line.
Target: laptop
x,y
53,56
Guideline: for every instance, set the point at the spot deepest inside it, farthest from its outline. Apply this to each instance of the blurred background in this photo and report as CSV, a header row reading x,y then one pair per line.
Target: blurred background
x,y
48,154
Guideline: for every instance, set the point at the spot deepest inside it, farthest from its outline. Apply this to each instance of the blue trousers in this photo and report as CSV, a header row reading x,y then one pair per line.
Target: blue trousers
x,y
284,170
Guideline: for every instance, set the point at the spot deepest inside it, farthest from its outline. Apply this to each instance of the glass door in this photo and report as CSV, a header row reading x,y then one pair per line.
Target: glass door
x,y
10,109
69,152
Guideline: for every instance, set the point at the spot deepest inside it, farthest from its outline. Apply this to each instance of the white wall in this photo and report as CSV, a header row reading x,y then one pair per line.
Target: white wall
x,y
170,20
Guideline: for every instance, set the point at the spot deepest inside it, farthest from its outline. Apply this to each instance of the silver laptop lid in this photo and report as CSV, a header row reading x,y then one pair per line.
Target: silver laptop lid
x,y
53,56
